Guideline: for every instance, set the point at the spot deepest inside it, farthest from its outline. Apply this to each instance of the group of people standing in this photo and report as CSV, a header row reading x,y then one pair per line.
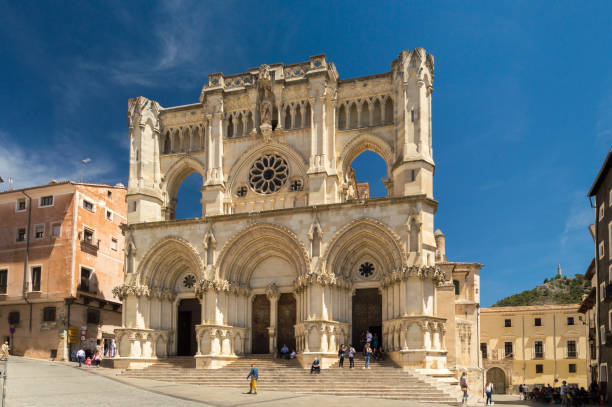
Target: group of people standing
x,y
95,359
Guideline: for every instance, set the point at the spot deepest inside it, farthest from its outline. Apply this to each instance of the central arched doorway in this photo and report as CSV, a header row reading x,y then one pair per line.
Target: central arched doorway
x,y
367,315
260,323
497,376
286,321
189,315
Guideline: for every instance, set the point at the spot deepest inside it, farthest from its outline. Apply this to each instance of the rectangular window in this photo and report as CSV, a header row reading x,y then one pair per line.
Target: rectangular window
x,y
21,205
36,275
538,349
56,229
602,334
88,235
602,249
539,368
85,279
21,235
93,316
3,281
13,317
537,322
508,349
109,215
570,320
88,205
602,211
39,231
571,349
603,371
507,323
46,201
602,291
609,240
49,314
113,244
592,349
572,368
483,350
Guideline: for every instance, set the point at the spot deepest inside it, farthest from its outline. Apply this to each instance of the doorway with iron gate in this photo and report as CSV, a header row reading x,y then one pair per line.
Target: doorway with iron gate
x,y
367,316
189,315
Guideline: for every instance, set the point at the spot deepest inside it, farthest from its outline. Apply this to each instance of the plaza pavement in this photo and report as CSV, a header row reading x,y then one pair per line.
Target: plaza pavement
x,y
33,382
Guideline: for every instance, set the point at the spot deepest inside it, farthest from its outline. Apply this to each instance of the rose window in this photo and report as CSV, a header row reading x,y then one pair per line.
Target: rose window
x,y
366,269
268,174
189,281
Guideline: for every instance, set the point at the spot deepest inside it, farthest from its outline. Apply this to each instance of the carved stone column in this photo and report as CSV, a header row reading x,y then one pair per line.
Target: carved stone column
x,y
273,294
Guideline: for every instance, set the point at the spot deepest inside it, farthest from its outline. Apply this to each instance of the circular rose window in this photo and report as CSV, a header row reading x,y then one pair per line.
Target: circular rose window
x,y
268,174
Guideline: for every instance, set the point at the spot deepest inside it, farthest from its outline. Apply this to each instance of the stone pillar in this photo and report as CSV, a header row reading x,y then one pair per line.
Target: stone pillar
x,y
273,294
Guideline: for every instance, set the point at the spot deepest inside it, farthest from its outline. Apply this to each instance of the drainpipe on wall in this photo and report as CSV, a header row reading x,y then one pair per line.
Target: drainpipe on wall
x,y
26,280
555,342
524,359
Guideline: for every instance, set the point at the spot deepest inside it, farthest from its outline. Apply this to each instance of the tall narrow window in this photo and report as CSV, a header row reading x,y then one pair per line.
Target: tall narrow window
x,y
3,281
457,287
539,368
508,349
85,279
483,350
316,243
21,205
88,235
414,236
56,229
538,349
21,234
39,231
571,349
570,320
210,252
36,275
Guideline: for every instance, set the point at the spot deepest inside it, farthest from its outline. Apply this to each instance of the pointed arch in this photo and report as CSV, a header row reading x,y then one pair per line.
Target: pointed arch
x,y
362,143
365,114
389,110
377,113
353,116
363,238
166,261
287,121
174,177
242,254
342,117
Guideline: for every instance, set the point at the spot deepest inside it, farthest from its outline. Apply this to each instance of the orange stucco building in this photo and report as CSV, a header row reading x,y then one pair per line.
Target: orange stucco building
x,y
59,273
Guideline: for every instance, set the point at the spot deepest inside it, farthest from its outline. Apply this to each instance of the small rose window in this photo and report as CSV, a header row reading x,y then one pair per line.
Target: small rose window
x,y
268,174
189,281
366,269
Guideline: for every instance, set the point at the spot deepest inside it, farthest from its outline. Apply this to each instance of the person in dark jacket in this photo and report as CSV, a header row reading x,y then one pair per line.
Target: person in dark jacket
x,y
341,352
316,366
253,375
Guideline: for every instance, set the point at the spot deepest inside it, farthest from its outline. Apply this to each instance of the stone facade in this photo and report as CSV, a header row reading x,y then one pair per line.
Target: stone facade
x,y
288,247
534,345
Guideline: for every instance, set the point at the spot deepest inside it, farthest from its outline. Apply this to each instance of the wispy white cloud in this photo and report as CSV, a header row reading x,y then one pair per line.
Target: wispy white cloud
x,y
580,216
29,165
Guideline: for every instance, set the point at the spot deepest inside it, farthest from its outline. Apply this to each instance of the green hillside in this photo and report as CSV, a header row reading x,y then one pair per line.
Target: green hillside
x,y
558,290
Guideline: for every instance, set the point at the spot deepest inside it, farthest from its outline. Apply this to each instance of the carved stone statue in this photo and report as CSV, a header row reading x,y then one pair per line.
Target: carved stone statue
x,y
266,97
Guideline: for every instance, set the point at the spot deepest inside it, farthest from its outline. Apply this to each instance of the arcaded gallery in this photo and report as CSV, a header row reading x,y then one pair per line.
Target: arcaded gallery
x,y
290,248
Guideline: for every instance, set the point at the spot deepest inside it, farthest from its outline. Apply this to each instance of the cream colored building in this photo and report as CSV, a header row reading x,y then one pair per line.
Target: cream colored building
x,y
533,345
286,251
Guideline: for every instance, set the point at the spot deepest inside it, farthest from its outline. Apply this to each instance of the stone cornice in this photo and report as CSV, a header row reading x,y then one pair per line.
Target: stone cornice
x,y
205,285
341,206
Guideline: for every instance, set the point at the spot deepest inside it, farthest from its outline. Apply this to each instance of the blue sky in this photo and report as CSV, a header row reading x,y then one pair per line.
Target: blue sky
x,y
522,106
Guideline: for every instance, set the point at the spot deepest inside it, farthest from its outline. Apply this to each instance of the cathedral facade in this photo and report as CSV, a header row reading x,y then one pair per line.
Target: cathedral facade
x,y
289,249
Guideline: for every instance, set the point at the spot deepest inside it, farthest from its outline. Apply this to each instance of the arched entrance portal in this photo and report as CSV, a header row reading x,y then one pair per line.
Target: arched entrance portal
x,y
189,315
286,321
497,376
260,324
367,315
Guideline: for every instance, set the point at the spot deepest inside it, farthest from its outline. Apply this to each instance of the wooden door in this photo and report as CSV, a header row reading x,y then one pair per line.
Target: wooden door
x,y
286,321
260,322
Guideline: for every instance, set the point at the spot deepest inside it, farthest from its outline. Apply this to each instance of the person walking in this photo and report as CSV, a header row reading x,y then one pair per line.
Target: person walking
x,y
367,353
564,390
80,356
341,355
351,353
521,392
4,351
97,358
253,375
464,388
489,393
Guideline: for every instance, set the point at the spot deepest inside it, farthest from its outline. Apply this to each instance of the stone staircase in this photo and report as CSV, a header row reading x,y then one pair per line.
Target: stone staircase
x,y
382,380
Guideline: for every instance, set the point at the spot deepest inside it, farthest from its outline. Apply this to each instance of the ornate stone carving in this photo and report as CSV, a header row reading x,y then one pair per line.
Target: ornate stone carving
x,y
272,291
265,95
